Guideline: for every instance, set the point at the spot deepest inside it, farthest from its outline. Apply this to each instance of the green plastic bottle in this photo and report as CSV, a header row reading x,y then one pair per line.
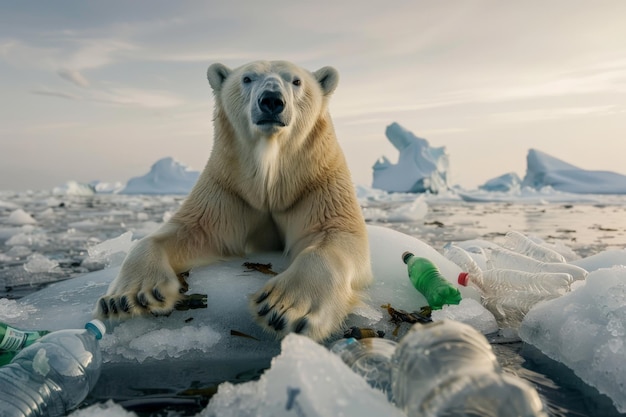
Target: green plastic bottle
x,y
427,280
12,340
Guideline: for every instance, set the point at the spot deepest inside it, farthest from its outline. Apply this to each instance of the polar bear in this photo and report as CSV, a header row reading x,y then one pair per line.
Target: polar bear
x,y
276,179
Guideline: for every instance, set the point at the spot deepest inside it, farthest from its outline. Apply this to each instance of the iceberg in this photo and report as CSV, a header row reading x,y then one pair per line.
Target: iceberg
x,y
74,188
504,183
420,168
544,170
166,176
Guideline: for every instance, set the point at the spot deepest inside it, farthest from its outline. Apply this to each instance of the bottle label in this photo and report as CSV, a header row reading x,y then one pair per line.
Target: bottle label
x,y
13,340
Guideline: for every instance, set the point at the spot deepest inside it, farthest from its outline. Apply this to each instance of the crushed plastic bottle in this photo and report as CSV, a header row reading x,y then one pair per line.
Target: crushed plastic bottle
x,y
448,368
445,368
12,340
517,242
510,294
53,375
506,259
426,278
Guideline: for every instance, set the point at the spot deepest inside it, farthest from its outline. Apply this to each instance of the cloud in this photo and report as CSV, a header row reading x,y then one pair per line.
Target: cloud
x,y
74,77
53,93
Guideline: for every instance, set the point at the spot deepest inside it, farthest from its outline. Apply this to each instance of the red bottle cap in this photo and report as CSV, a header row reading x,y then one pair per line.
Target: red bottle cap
x,y
463,278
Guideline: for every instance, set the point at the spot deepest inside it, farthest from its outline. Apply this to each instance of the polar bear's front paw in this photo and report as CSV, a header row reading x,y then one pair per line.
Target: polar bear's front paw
x,y
315,309
128,297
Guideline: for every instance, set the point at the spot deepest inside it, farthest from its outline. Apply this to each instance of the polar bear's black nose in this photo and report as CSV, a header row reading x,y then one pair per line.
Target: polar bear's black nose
x,y
271,102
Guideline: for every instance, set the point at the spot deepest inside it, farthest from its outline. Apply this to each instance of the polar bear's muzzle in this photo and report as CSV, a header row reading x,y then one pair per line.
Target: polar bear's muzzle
x,y
270,109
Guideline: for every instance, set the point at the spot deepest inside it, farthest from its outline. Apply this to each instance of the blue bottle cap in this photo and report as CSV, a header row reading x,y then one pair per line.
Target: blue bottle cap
x,y
97,327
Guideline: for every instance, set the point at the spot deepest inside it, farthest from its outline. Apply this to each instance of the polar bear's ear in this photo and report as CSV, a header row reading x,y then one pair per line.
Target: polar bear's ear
x,y
217,74
328,77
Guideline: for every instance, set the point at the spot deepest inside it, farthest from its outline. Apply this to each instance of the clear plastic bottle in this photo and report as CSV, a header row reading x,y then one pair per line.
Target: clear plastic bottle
x,y
53,375
506,259
503,281
509,294
517,242
448,368
426,278
370,358
12,340
444,368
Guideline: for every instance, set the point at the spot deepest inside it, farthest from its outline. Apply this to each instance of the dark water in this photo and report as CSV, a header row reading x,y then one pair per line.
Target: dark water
x,y
68,226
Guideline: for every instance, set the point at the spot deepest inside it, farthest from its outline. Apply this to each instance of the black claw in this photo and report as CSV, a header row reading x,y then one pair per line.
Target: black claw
x,y
277,321
113,306
301,325
157,295
280,324
264,310
104,307
262,297
142,300
124,304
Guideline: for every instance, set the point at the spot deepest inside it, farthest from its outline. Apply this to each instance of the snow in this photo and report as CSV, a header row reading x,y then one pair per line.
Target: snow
x,y
166,176
420,167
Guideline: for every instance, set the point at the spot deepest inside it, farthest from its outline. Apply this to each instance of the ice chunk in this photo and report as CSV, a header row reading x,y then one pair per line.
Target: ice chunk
x,y
304,380
11,310
144,338
107,409
37,240
109,253
585,331
604,259
19,216
471,312
39,263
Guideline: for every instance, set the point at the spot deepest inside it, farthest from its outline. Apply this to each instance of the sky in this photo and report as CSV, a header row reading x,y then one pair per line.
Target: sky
x,y
101,90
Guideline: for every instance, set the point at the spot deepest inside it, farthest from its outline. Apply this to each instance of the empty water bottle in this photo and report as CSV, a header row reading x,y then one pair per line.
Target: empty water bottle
x,y
427,280
517,242
448,368
370,358
12,340
506,259
53,375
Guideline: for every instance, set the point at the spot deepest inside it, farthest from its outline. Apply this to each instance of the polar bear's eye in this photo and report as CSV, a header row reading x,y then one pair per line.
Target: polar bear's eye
x,y
297,82
247,80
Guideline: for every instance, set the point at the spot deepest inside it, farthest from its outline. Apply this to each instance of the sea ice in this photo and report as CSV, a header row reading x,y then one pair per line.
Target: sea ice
x,y
585,330
74,188
304,380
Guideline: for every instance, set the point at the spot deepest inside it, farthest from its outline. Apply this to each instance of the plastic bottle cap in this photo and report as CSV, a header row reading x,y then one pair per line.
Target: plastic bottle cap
x,y
463,278
405,256
97,327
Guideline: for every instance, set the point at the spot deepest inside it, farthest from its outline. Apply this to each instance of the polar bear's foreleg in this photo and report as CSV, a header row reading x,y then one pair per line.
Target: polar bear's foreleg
x,y
151,277
318,290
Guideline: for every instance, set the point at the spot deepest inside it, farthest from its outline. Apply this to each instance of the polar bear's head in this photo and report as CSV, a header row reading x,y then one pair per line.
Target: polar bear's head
x,y
265,99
